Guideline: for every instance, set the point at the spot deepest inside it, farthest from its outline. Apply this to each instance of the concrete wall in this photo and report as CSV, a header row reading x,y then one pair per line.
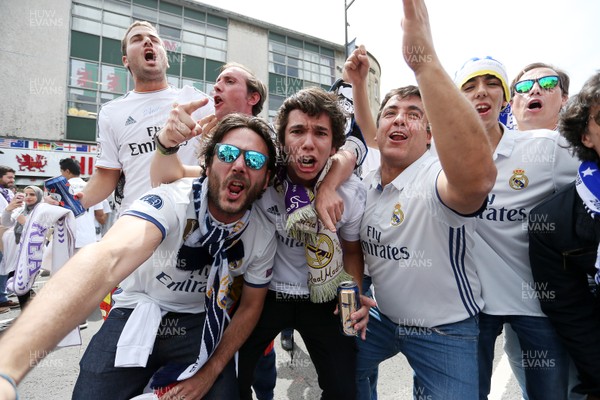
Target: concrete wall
x,y
248,45
34,58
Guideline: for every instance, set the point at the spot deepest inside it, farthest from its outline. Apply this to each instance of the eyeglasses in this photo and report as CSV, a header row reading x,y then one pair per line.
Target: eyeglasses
x,y
228,153
545,82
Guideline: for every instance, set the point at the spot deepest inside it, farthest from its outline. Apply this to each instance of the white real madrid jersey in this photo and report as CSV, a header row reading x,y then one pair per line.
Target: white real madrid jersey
x,y
418,250
126,128
290,271
160,280
531,166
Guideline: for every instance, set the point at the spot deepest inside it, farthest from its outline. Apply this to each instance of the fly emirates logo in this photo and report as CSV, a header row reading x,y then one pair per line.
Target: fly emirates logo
x,y
407,258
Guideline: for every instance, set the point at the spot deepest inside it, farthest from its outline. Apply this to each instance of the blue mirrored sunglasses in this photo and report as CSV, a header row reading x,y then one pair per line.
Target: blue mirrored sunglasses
x,y
545,82
228,153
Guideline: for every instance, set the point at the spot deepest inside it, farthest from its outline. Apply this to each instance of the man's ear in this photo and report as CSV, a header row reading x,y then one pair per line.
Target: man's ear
x,y
253,98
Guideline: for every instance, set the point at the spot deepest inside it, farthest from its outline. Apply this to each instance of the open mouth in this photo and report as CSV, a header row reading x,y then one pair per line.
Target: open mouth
x,y
307,161
535,104
235,188
217,100
398,136
149,55
482,108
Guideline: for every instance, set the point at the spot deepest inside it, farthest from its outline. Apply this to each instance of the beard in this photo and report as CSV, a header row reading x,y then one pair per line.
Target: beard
x,y
232,209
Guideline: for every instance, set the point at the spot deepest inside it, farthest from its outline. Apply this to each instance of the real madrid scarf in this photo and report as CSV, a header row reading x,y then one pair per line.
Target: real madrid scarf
x,y
322,247
587,184
219,241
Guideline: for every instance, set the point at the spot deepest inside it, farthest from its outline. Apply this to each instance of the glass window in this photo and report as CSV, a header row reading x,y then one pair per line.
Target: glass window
x,y
195,26
84,74
117,6
114,79
95,3
216,43
144,14
193,38
216,54
113,32
88,12
192,49
106,97
216,31
87,26
169,31
80,95
277,47
169,19
116,19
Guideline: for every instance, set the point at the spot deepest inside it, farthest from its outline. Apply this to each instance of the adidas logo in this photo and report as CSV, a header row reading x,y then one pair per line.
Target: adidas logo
x,y
273,210
130,121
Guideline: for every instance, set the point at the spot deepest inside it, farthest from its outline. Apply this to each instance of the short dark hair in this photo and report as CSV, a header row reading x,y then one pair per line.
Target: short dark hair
x,y
563,78
235,121
314,101
71,165
402,93
573,120
5,170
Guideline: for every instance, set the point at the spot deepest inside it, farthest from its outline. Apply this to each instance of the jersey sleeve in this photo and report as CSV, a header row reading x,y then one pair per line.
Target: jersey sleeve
x,y
354,204
260,269
164,206
108,149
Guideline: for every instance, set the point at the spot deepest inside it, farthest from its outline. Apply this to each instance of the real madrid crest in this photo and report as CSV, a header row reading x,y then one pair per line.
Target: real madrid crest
x,y
397,216
518,180
321,253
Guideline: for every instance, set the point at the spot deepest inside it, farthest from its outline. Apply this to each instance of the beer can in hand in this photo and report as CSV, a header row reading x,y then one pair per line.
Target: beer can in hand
x,y
348,302
61,191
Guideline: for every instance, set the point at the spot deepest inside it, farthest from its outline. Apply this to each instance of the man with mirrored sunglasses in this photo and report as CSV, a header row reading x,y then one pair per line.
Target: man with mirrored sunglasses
x,y
538,92
207,247
535,106
531,166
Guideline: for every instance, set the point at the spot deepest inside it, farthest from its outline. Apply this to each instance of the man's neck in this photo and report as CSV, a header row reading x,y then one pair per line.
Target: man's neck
x,y
150,86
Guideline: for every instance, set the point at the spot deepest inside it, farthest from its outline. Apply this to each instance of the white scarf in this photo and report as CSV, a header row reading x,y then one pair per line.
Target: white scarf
x,y
46,222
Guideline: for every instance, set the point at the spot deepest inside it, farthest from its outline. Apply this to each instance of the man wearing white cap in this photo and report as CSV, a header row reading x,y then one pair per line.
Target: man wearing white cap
x,y
531,166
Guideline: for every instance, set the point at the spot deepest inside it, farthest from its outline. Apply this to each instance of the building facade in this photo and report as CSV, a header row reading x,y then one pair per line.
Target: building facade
x,y
61,60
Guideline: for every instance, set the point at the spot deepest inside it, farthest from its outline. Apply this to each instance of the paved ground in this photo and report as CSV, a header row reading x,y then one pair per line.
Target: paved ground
x,y
54,377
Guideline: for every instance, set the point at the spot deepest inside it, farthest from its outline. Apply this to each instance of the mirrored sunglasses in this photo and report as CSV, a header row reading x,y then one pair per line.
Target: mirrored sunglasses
x,y
228,153
545,82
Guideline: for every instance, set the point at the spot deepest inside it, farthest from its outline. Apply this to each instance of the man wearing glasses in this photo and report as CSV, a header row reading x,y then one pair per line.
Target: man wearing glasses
x,y
531,166
538,93
159,330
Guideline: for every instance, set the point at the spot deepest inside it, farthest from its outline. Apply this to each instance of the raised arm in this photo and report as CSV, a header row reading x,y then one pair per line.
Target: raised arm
x,y
102,183
463,148
166,167
83,281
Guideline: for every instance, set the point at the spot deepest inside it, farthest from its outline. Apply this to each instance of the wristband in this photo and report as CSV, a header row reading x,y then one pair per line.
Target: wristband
x,y
165,151
12,383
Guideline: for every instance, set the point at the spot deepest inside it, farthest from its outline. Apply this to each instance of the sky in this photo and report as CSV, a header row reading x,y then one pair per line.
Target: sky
x,y
515,32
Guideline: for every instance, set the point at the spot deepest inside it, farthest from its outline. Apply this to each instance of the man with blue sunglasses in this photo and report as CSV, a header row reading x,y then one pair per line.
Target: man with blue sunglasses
x,y
181,247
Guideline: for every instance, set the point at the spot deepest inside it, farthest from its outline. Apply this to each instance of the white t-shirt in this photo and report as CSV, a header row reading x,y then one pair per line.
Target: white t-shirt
x,y
531,166
126,128
418,250
290,274
169,207
85,228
